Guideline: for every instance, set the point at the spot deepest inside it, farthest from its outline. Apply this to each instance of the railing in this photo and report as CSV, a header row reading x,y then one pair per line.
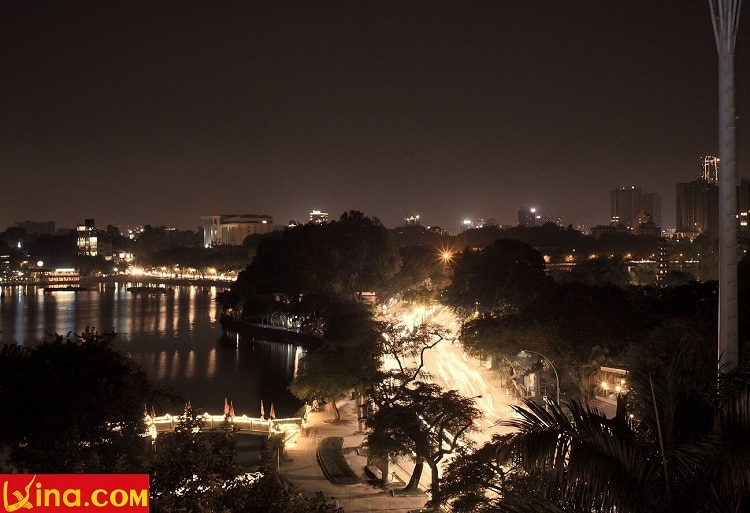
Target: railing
x,y
249,425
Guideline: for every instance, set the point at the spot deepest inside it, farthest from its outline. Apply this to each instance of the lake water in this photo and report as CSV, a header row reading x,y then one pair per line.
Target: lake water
x,y
175,338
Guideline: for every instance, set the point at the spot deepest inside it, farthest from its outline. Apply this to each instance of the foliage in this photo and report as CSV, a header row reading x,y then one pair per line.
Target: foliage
x,y
333,462
72,405
347,360
412,417
684,449
599,271
189,461
336,261
500,279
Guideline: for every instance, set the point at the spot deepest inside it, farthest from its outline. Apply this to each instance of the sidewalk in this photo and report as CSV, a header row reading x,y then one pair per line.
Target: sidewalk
x,y
300,465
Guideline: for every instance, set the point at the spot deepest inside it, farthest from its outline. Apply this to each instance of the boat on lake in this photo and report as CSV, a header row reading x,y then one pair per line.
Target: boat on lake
x,y
151,291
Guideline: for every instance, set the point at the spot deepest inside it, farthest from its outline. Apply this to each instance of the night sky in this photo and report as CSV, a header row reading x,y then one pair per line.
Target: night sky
x,y
159,112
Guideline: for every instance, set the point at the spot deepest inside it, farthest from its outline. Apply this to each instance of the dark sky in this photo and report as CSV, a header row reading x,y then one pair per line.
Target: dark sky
x,y
158,112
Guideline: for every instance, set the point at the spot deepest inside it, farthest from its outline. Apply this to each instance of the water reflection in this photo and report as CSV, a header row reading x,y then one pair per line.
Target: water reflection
x,y
175,338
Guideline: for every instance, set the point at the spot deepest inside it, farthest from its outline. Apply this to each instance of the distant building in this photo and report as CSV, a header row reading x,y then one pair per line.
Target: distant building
x,y
412,220
709,169
318,217
743,205
87,238
651,203
544,219
527,217
697,204
470,224
625,203
232,229
34,228
600,230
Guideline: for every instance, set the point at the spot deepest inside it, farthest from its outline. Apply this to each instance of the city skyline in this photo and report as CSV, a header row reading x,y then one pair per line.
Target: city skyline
x,y
141,114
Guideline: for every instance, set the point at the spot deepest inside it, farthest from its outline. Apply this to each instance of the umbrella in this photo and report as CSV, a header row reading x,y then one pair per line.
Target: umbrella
x,y
272,413
226,406
153,412
231,409
262,410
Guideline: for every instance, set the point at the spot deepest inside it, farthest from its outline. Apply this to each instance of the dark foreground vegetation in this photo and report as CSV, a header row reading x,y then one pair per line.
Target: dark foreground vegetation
x,y
677,443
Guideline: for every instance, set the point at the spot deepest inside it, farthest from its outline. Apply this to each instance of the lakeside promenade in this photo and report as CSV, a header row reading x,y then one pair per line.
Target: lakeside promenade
x,y
300,465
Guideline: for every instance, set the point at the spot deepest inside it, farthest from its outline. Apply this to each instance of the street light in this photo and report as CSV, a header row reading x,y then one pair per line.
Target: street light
x,y
557,377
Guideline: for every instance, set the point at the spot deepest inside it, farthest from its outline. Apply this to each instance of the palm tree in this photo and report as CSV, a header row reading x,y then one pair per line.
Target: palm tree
x,y
686,448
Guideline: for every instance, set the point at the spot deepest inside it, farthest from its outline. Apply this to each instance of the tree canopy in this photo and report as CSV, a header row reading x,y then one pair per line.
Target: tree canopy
x,y
72,405
337,260
500,279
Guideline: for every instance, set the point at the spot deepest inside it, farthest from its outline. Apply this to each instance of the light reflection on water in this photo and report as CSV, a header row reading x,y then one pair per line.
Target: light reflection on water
x,y
175,338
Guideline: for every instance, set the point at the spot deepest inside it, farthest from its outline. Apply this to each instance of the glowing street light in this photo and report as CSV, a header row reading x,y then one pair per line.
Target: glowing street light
x,y
524,352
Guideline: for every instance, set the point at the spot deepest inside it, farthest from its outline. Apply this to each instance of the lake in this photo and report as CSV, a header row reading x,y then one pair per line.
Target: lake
x,y
175,338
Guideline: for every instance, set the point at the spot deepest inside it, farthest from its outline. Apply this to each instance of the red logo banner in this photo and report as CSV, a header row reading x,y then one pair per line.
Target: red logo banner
x,y
60,492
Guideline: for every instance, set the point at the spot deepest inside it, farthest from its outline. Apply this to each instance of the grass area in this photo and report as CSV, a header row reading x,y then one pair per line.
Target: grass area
x,y
333,462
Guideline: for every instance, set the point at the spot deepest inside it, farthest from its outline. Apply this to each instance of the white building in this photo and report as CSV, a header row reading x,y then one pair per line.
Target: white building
x,y
232,229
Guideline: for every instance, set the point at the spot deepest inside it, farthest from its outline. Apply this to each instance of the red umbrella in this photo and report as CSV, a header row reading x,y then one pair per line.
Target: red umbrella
x,y
262,410
226,406
272,413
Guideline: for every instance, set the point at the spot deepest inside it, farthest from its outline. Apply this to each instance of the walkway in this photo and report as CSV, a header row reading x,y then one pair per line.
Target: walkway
x,y
300,465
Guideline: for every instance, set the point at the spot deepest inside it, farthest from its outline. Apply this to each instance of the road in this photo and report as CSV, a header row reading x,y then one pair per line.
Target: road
x,y
450,367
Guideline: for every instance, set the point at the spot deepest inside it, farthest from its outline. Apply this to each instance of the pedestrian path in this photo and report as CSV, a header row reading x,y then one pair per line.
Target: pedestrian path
x,y
300,465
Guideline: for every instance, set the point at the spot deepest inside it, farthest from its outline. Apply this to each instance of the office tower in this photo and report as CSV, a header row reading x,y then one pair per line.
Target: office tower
x,y
626,204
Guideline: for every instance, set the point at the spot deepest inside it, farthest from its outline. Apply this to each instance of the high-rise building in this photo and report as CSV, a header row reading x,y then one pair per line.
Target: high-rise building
x,y
527,217
698,201
625,205
233,229
710,168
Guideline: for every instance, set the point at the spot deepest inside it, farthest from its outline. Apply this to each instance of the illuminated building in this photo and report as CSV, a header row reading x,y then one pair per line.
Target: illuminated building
x,y
412,220
87,238
743,205
233,229
318,217
710,169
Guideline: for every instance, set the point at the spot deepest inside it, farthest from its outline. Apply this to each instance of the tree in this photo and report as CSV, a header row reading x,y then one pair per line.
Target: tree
x,y
500,279
413,417
683,450
72,405
347,360
336,261
189,462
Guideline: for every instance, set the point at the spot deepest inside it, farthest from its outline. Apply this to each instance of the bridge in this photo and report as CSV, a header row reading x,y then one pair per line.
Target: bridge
x,y
290,428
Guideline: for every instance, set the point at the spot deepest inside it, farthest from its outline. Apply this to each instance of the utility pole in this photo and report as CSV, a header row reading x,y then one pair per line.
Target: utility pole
x,y
725,16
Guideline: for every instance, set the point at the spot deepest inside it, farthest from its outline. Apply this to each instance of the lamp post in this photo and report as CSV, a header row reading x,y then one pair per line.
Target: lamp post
x,y
557,377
